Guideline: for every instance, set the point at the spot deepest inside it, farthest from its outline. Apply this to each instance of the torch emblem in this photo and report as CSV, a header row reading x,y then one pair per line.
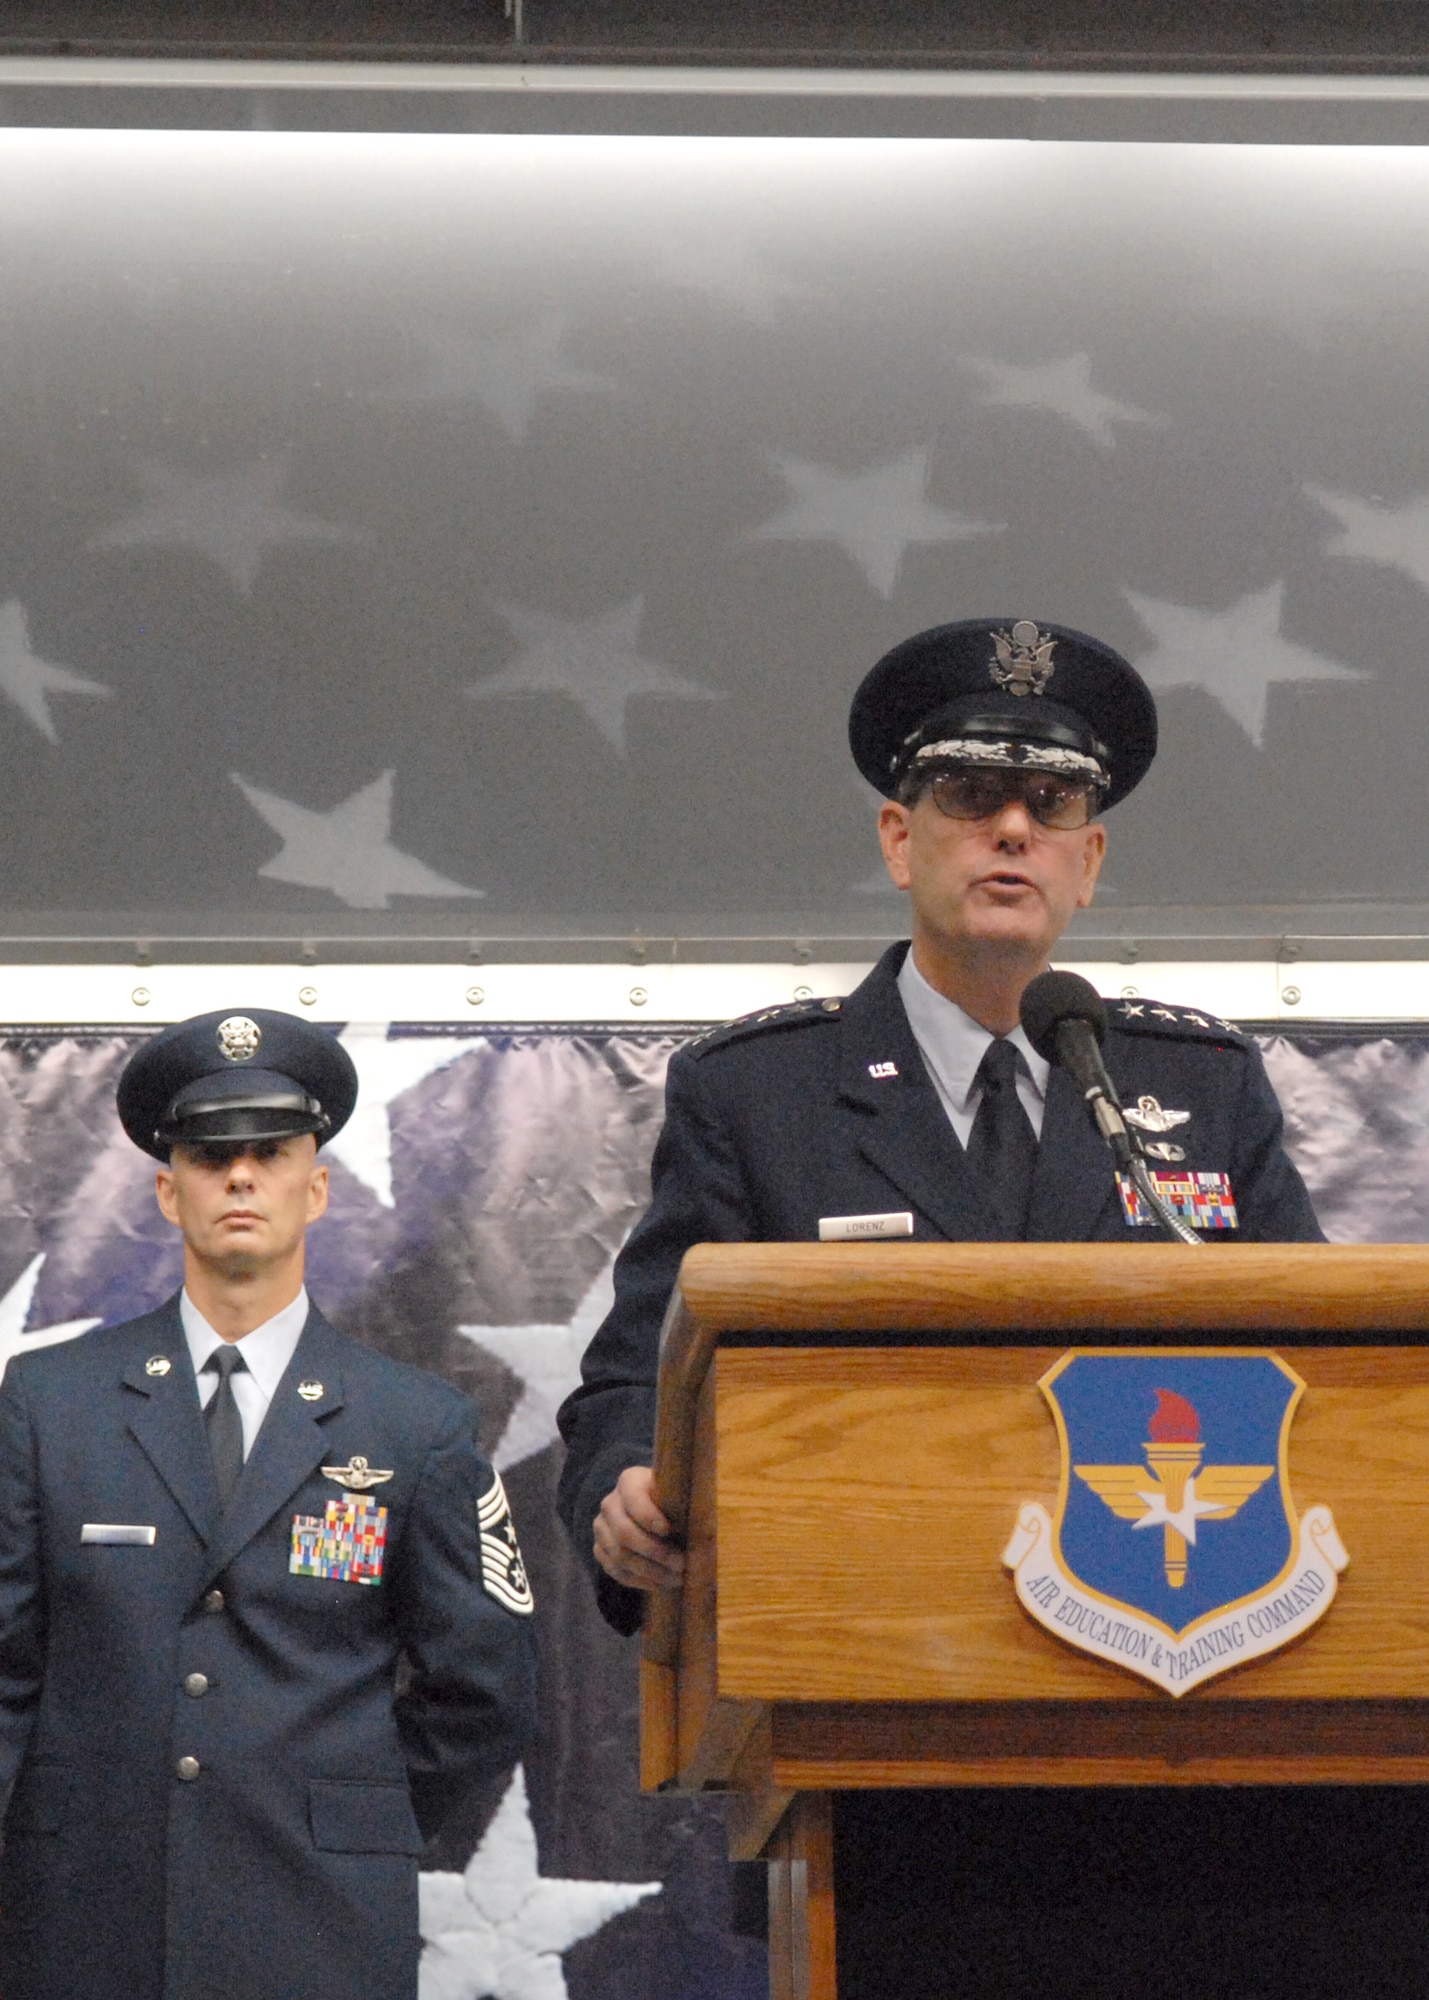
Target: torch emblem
x,y
1171,1491
1175,1548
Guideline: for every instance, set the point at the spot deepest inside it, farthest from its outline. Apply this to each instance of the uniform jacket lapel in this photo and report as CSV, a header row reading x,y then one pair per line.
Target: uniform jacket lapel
x,y
290,1444
901,1127
1073,1183
164,1416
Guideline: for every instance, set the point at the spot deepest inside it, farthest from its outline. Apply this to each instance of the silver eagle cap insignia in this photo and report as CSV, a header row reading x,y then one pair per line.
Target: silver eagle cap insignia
x,y
1022,658
238,1038
357,1475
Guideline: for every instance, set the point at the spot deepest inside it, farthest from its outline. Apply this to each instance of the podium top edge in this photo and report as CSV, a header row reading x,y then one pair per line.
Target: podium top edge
x,y
1057,1290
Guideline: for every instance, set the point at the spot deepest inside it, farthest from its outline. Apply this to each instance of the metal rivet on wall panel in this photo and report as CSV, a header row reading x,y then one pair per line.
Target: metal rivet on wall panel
x,y
475,995
308,995
803,992
140,996
1131,992
638,996
1290,995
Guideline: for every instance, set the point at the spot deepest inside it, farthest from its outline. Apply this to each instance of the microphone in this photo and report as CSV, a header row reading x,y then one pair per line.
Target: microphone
x,y
1065,1019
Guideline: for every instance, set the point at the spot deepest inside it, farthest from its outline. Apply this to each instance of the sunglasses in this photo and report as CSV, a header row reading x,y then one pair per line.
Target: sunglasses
x,y
1063,804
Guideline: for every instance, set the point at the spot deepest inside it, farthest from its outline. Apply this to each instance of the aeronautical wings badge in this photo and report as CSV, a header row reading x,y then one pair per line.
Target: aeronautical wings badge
x,y
1175,1550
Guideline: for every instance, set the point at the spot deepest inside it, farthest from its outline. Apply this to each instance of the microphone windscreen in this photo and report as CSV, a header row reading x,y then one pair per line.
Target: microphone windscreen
x,y
1055,997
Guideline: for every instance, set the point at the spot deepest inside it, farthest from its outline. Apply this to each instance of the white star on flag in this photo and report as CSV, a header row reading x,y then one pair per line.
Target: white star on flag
x,y
547,1359
29,680
15,1310
346,850
874,516
385,1071
1395,537
497,1931
596,661
230,517
1235,654
1062,389
727,271
507,374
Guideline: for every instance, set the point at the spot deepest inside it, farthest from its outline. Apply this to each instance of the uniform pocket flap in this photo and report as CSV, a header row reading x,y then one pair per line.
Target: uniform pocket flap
x,y
355,1816
41,1799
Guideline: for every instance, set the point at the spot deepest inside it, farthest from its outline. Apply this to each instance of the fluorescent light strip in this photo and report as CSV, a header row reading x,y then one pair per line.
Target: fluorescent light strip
x,y
627,80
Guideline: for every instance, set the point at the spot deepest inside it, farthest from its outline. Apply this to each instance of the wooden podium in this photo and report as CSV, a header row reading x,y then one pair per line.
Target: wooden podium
x,y
845,1434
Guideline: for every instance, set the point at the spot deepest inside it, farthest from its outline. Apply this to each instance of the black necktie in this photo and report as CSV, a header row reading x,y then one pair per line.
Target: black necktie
x,y
1002,1147
222,1421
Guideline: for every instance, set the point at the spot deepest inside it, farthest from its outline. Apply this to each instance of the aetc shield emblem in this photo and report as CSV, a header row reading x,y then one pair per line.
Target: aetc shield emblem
x,y
1176,1549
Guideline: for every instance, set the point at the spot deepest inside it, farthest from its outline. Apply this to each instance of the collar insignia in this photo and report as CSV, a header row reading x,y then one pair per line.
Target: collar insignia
x,y
1022,661
357,1475
310,1391
158,1364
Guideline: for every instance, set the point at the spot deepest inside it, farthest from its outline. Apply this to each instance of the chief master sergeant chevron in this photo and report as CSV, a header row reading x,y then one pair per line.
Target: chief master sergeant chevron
x,y
221,1526
997,744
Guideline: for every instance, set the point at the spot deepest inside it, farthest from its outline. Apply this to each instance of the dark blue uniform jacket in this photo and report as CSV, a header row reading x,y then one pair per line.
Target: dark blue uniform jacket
x,y
287,1867
781,1119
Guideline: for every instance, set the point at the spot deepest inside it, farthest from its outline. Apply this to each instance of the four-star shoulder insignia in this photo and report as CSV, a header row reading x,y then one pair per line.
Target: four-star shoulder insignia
x,y
1153,1017
798,1014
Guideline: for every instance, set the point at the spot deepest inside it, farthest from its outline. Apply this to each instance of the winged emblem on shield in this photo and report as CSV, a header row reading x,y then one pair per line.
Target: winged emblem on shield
x,y
1175,1549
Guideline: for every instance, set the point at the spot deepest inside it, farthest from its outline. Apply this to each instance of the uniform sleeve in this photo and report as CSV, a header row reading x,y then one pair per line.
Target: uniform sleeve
x,y
1272,1202
463,1610
22,1608
608,1423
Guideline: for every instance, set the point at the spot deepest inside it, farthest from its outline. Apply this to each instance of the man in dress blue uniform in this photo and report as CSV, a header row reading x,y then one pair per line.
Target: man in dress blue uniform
x,y
997,745
222,1527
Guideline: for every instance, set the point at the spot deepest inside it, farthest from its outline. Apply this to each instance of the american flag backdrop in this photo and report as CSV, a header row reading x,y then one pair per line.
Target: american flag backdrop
x,y
482,535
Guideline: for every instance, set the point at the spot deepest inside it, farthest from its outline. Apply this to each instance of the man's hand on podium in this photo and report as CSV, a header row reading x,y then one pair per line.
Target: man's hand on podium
x,y
633,1540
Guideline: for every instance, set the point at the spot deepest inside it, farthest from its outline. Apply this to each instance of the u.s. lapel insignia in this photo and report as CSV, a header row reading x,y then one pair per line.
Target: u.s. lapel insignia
x,y
1175,1550
310,1391
503,1573
158,1364
357,1475
346,1544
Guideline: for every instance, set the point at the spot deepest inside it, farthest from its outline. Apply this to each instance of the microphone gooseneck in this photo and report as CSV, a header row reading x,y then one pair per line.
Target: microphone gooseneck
x,y
1065,1019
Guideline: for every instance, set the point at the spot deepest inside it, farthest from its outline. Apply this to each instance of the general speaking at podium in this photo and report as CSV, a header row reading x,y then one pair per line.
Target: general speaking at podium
x,y
919,1107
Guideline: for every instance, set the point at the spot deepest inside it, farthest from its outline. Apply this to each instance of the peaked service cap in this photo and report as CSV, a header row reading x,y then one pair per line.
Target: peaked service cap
x,y
1004,691
236,1075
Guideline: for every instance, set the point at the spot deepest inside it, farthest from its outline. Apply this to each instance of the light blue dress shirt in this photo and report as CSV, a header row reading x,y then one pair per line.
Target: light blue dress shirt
x,y
952,1045
266,1353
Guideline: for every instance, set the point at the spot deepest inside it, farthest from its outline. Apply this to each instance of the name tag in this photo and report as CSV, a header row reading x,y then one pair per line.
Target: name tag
x,y
859,1228
118,1534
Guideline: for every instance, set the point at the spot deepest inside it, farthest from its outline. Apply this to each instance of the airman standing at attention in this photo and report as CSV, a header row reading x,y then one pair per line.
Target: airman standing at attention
x,y
221,1525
